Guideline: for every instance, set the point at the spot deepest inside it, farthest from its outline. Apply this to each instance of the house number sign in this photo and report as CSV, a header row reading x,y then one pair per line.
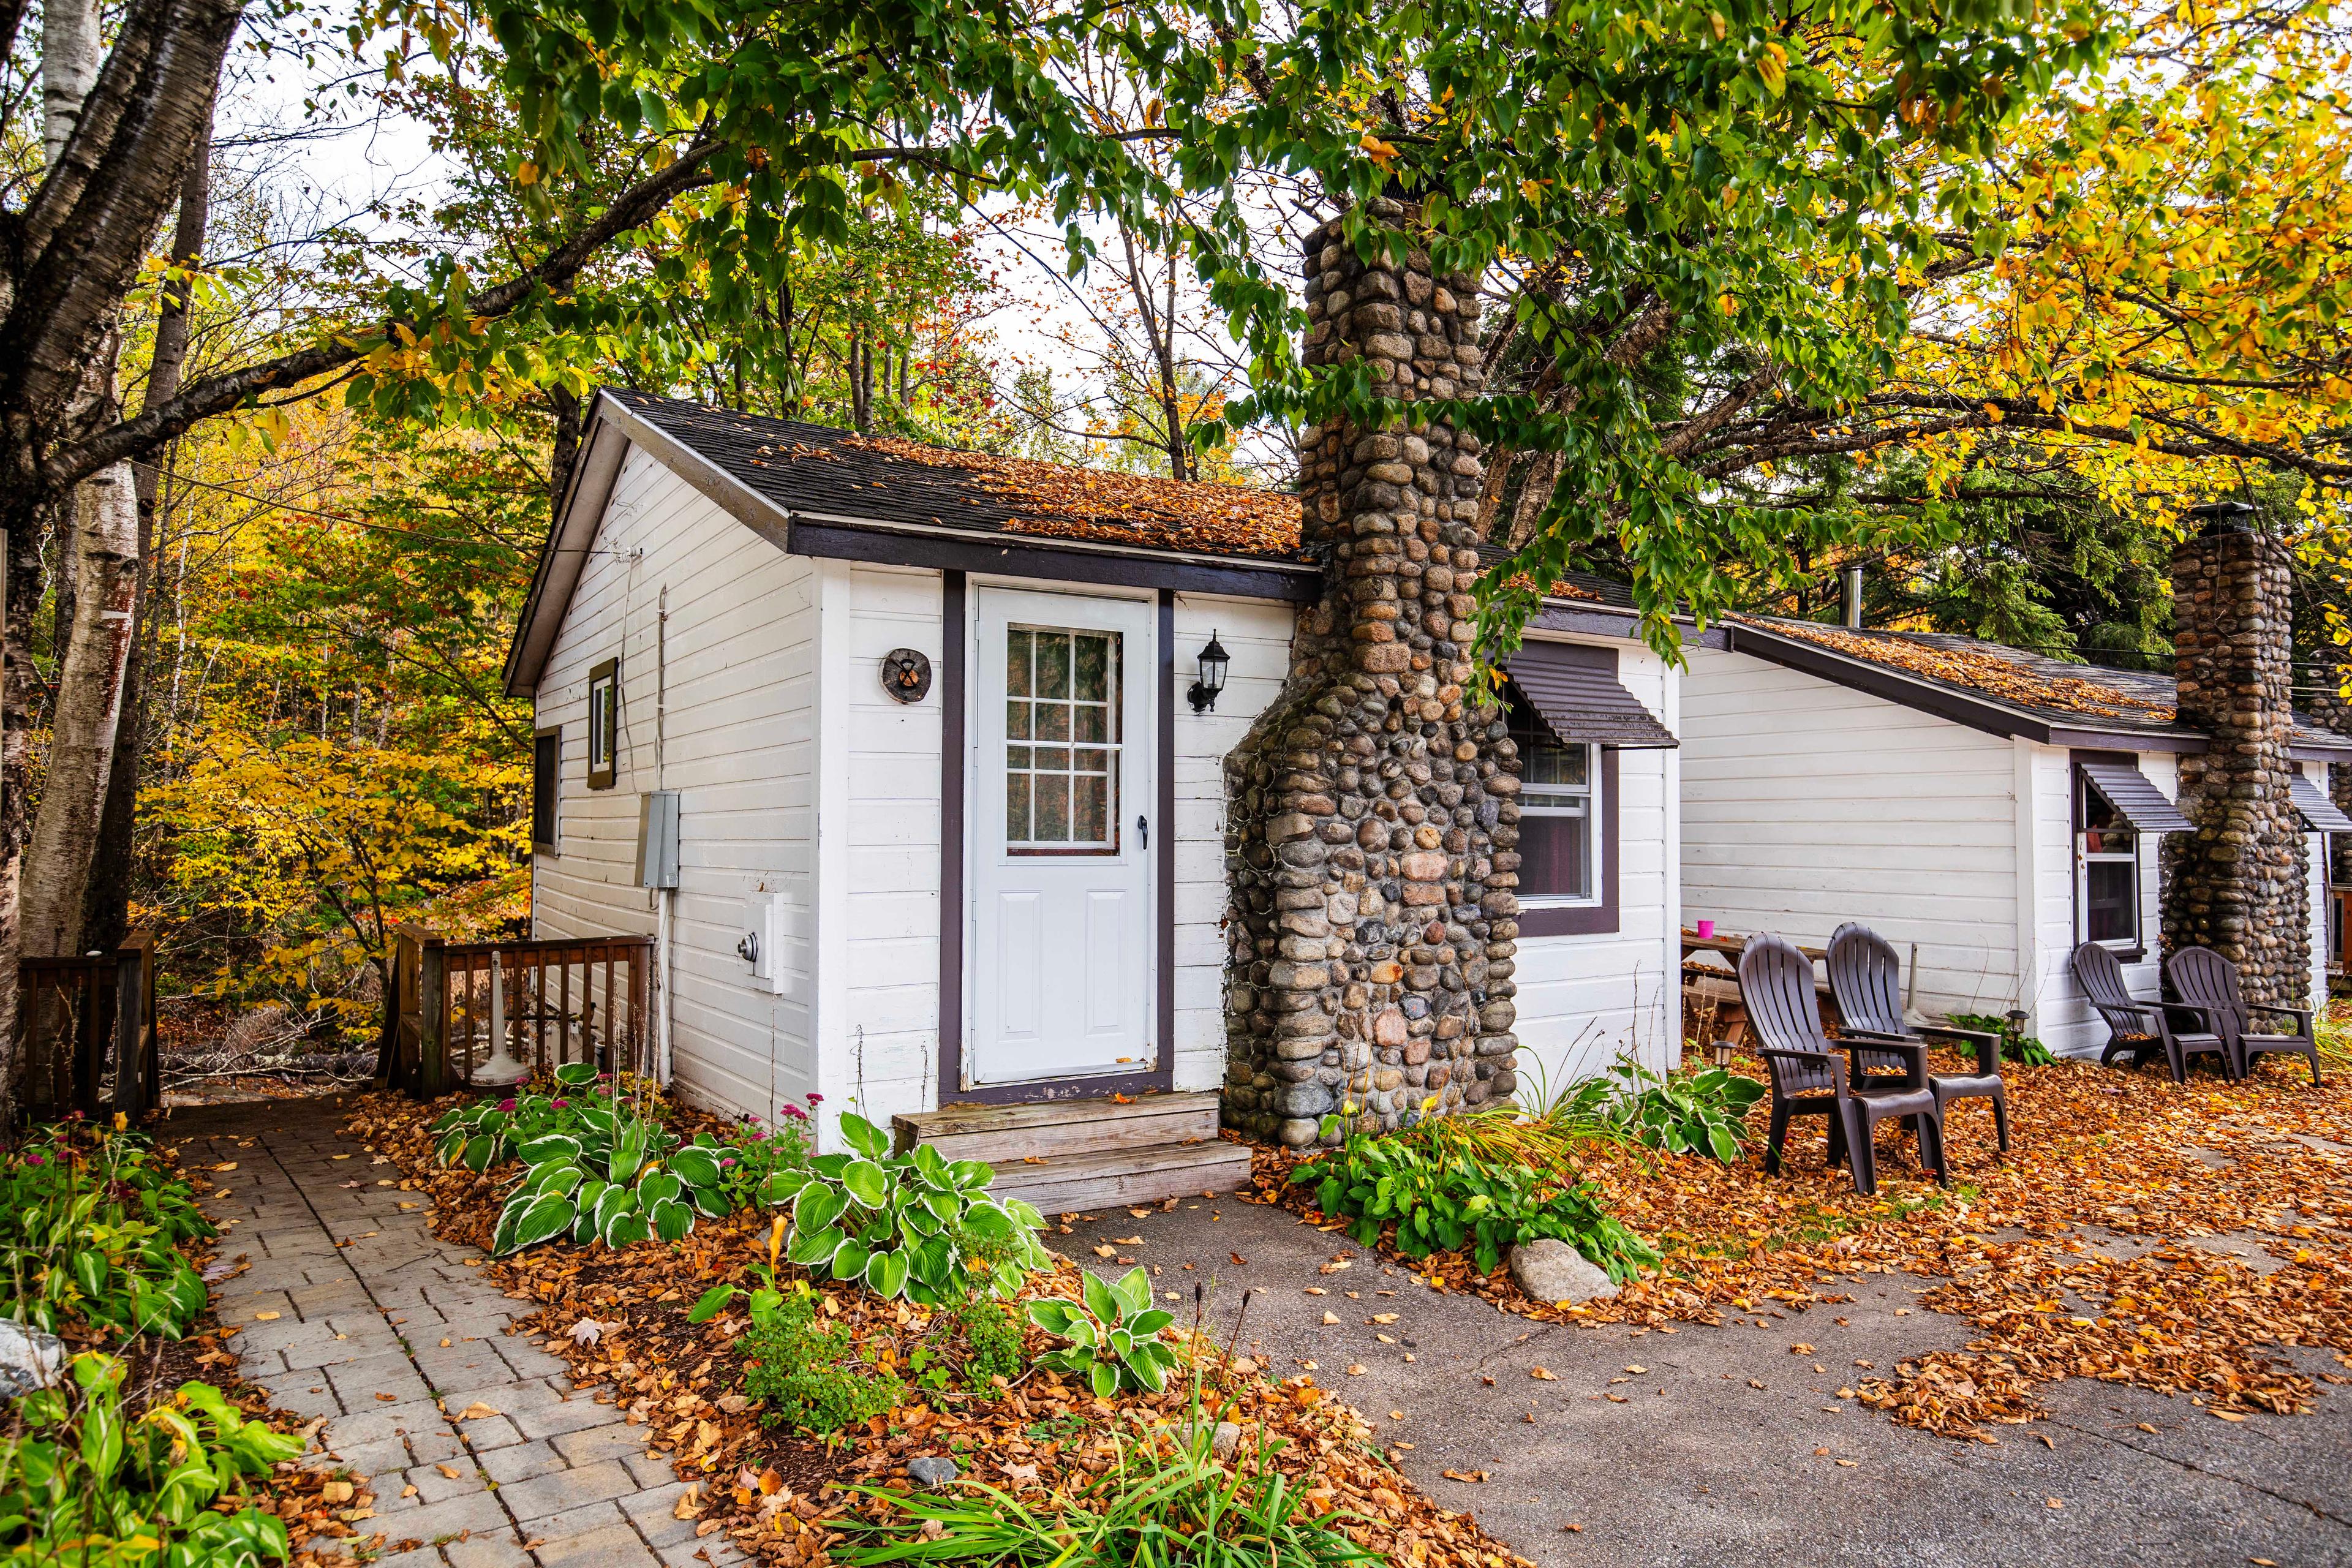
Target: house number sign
x,y
906,674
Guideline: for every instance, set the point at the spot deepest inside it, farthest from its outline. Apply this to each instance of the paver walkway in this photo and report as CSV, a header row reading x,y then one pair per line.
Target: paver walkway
x,y
353,1311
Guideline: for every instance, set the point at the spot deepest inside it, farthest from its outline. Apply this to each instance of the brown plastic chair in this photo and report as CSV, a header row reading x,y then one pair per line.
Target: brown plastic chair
x,y
1810,1076
1866,978
2203,978
2141,1028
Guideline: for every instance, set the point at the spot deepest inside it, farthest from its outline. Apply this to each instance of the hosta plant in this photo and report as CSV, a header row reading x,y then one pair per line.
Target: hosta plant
x,y
1701,1113
616,1181
487,1132
916,1225
1113,1336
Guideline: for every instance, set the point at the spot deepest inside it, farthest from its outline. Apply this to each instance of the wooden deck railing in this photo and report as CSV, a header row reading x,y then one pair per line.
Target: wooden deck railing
x,y
568,999
88,1031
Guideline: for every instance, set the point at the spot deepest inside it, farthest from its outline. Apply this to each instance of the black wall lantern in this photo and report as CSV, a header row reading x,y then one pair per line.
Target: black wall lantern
x,y
1214,660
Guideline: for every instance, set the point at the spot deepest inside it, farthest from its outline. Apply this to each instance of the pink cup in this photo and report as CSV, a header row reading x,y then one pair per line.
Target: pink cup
x,y
1705,930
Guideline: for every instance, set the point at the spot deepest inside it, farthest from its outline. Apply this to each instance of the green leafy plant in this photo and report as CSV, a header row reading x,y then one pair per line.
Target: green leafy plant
x,y
83,1481
92,1224
1164,1500
1113,1334
756,1155
913,1225
597,1166
992,1348
1699,1113
1444,1198
810,1376
2016,1044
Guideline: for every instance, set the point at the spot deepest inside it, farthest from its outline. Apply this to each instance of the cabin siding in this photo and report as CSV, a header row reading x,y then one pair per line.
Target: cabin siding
x,y
1257,633
1585,1000
2062,1016
736,738
1806,804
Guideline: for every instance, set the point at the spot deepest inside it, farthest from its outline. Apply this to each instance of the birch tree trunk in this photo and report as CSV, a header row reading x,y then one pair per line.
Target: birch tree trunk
x,y
56,877
69,66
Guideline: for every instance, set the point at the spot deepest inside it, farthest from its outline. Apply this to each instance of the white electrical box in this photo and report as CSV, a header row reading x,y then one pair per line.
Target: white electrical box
x,y
762,944
658,838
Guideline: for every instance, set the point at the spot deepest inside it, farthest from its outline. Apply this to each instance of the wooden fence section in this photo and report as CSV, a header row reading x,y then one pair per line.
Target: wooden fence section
x,y
578,999
88,1031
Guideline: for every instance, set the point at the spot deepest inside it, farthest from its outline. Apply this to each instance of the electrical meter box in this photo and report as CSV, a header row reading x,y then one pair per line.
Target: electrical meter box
x,y
658,838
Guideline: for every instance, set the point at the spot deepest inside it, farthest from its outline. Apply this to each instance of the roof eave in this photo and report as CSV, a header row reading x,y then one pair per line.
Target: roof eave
x,y
1981,714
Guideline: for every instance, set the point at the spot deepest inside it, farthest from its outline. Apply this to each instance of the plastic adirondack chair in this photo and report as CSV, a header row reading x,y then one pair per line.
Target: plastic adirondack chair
x,y
1810,1074
2203,978
2142,1029
1866,978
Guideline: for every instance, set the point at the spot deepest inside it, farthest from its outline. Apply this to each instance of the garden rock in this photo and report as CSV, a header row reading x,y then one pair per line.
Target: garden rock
x,y
932,1469
1227,1438
1552,1271
29,1359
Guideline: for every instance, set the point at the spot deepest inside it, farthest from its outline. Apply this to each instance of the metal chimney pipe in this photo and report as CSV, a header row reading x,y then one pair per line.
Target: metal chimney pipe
x,y
1853,608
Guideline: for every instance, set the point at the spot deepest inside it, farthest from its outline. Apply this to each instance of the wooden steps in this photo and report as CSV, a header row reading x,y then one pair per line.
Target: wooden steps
x,y
1068,1155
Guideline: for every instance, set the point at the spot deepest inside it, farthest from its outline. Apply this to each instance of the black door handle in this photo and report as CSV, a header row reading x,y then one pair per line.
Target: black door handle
x,y
1143,827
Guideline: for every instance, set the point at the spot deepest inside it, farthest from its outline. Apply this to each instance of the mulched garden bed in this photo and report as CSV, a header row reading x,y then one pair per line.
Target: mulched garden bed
x,y
619,1318
2096,1153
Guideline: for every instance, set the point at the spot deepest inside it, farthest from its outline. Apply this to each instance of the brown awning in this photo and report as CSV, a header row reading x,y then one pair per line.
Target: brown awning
x,y
2320,815
1576,691
2140,803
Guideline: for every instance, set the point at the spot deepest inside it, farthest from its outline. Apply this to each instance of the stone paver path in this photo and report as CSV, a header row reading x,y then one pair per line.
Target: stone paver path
x,y
352,1310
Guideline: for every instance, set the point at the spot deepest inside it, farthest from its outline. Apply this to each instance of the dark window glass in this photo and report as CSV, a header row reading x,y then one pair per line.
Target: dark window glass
x,y
546,764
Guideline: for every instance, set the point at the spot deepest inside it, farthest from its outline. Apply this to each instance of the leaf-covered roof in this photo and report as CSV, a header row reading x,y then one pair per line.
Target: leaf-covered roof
x,y
818,469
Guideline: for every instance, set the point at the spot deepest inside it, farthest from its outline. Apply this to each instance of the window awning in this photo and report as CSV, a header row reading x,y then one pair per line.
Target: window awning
x,y
1577,691
2320,815
2140,803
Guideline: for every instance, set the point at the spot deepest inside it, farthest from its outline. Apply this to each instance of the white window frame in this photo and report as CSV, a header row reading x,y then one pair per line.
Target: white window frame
x,y
1595,841
2135,943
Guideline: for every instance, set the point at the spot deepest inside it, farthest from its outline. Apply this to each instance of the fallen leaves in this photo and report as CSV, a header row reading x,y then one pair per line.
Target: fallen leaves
x,y
476,1411
1542,1375
1474,1476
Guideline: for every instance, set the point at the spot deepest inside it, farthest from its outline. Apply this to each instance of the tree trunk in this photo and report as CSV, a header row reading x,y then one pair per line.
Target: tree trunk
x,y
108,916
105,544
568,418
69,66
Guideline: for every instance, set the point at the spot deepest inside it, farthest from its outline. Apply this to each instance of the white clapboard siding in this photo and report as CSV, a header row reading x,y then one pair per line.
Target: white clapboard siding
x,y
1806,805
888,894
737,660
2062,1016
1257,634
1583,1001
2316,995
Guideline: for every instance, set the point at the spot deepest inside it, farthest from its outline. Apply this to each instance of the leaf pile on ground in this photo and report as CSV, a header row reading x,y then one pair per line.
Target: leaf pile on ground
x,y
2090,1251
620,1319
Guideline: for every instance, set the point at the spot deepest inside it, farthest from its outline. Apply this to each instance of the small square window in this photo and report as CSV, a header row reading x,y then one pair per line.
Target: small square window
x,y
1559,838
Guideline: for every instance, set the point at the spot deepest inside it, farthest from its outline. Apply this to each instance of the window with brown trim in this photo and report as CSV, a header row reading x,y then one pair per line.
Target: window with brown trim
x,y
1567,828
546,777
603,724
2107,872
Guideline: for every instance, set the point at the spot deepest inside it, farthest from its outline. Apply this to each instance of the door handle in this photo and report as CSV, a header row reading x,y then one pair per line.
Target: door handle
x,y
1143,827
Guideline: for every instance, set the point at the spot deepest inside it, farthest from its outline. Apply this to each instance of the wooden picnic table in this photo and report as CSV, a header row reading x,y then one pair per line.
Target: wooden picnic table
x,y
1731,1012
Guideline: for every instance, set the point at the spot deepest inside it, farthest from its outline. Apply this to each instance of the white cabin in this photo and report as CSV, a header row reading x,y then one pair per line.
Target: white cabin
x,y
1984,809
832,649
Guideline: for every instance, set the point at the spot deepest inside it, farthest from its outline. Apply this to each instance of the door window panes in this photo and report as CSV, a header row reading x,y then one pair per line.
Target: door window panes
x,y
1061,741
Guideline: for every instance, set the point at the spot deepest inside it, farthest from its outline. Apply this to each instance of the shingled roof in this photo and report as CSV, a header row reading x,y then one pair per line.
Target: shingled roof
x,y
2072,701
817,469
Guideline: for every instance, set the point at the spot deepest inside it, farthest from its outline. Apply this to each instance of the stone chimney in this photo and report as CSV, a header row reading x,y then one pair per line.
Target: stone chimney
x,y
2239,884
1373,812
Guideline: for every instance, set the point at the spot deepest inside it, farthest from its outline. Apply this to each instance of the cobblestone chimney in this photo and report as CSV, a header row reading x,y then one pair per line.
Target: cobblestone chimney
x,y
2239,884
1371,810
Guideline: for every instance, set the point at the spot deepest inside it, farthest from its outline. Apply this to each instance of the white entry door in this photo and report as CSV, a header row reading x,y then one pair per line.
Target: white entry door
x,y
1063,803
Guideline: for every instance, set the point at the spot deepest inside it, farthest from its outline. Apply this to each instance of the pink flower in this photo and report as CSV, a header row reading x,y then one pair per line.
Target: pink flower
x,y
757,1136
796,1113
814,1098
506,1105
724,1164
36,1159
562,1103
